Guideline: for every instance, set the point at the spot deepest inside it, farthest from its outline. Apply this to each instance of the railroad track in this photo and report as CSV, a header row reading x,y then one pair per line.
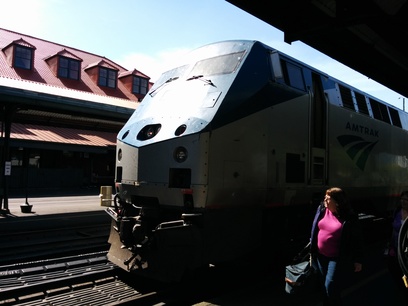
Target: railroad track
x,y
29,277
88,279
38,238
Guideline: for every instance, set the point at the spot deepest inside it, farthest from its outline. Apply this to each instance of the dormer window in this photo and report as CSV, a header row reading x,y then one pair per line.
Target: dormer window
x,y
20,54
140,85
68,68
107,77
23,57
103,73
65,64
135,82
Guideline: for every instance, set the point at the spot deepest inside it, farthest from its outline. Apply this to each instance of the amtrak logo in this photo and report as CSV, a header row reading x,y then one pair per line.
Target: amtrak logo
x,y
357,148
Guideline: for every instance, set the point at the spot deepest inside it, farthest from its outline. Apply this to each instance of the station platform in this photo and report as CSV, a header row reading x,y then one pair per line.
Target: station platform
x,y
55,202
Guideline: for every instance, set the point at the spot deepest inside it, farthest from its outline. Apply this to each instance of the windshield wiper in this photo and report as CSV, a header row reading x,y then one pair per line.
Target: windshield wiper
x,y
161,85
201,77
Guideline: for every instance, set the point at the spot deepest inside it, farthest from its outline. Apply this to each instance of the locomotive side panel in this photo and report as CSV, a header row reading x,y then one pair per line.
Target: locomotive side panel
x,y
263,140
241,156
365,159
288,150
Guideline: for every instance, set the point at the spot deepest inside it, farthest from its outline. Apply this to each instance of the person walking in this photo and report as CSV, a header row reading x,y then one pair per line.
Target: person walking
x,y
336,244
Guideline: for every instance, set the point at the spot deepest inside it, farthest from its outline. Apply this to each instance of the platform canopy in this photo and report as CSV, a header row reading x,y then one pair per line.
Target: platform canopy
x,y
369,36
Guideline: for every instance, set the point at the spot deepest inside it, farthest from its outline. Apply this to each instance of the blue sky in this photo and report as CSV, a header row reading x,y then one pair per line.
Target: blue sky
x,y
151,35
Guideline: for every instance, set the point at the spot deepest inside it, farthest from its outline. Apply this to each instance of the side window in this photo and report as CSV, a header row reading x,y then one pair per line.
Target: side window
x,y
295,76
276,65
346,97
395,117
380,111
361,103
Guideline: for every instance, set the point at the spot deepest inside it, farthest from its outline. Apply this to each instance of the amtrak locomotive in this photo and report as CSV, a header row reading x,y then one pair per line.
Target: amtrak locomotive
x,y
230,151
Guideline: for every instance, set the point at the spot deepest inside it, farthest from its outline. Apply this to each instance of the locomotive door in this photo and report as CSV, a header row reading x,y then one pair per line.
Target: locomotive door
x,y
318,134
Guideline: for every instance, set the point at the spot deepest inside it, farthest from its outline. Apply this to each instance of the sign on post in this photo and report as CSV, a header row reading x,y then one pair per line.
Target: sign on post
x,y
7,168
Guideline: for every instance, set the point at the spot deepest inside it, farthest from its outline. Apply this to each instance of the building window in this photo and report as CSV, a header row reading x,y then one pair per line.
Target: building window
x,y
68,68
107,77
23,57
17,157
139,85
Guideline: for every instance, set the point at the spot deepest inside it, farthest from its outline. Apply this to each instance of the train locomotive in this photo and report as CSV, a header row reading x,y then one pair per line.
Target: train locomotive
x,y
230,151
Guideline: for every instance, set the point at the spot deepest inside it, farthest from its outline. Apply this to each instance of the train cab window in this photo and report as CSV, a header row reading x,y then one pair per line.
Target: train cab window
x,y
380,111
294,76
395,117
361,103
223,64
276,65
346,97
172,74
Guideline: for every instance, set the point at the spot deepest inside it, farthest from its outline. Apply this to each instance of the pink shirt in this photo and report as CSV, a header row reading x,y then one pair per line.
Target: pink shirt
x,y
328,237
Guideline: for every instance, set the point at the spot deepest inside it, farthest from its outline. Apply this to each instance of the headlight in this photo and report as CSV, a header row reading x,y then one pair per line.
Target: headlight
x,y
180,130
180,154
149,131
125,134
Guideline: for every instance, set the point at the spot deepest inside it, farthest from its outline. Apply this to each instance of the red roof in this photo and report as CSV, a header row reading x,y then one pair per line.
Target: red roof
x,y
42,73
62,135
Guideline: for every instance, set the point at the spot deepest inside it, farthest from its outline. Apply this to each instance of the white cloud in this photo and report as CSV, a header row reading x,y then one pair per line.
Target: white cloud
x,y
153,65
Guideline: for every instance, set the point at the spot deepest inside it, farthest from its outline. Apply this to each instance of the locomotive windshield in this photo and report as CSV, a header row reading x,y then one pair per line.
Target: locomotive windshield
x,y
172,74
222,64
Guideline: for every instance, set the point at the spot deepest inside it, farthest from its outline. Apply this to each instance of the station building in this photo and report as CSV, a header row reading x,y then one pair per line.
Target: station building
x,y
60,111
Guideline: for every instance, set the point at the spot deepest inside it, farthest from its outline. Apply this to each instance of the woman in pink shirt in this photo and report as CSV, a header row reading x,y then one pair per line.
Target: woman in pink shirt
x,y
336,244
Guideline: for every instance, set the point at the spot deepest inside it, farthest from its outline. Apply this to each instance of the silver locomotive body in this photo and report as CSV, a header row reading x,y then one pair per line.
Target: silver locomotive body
x,y
228,145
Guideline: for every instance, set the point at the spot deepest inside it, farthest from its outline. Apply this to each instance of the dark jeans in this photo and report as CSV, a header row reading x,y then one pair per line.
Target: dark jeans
x,y
331,278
